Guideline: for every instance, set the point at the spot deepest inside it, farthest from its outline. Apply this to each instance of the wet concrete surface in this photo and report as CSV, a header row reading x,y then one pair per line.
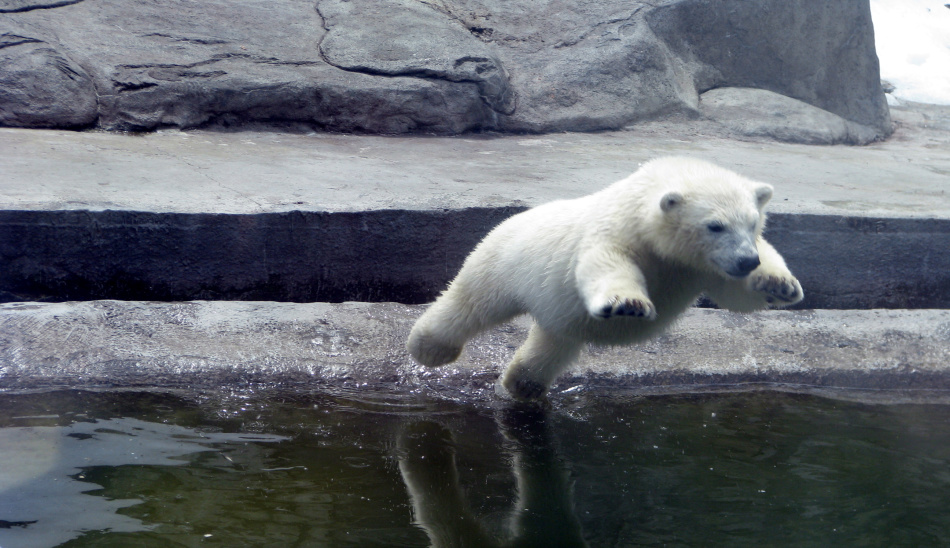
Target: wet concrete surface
x,y
360,345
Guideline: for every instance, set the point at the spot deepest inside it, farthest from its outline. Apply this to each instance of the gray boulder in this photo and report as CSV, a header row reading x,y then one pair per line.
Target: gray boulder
x,y
434,66
821,53
759,113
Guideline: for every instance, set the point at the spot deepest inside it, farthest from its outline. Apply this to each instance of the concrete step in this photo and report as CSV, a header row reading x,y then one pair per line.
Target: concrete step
x,y
290,217
883,355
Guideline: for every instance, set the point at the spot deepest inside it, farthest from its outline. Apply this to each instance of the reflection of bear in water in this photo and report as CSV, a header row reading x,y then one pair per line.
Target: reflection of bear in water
x,y
617,266
543,512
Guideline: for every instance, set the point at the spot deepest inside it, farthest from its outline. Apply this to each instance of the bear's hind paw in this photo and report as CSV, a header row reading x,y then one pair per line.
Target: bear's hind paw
x,y
522,389
431,353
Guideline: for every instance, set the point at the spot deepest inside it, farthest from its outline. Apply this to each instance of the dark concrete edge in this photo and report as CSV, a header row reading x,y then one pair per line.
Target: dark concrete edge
x,y
402,255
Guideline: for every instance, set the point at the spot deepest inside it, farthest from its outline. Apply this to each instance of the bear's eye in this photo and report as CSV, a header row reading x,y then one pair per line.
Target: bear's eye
x,y
715,226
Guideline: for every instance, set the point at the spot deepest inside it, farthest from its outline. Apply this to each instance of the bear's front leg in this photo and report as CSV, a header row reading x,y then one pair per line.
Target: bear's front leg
x,y
537,362
612,285
772,280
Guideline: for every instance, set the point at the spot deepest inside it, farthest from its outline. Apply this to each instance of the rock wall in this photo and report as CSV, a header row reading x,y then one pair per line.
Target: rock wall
x,y
434,66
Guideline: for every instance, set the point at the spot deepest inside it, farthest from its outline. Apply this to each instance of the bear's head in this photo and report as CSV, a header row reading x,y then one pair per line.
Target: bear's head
x,y
711,218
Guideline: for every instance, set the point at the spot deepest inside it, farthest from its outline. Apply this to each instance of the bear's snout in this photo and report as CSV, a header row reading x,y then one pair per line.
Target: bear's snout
x,y
744,266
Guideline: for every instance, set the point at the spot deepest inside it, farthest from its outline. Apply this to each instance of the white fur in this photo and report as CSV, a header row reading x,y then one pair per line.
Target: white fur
x,y
615,267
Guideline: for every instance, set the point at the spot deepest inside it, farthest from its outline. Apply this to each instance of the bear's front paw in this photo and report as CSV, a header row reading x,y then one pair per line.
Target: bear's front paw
x,y
620,306
779,290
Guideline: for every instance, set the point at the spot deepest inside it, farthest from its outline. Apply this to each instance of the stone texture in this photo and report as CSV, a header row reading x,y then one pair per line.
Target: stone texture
x,y
369,36
820,53
433,66
760,113
579,65
42,87
171,63
13,6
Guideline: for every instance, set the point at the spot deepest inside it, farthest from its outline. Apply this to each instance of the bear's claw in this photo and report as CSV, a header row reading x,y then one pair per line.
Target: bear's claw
x,y
637,308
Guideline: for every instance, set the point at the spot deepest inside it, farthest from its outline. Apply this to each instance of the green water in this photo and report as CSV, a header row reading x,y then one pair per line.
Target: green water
x,y
347,469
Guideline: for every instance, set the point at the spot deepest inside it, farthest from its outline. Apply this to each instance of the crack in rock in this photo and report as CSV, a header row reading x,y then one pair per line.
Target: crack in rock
x,y
8,39
409,38
18,6
199,41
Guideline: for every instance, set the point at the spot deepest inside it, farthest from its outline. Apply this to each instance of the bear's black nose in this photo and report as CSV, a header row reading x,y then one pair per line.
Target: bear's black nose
x,y
745,265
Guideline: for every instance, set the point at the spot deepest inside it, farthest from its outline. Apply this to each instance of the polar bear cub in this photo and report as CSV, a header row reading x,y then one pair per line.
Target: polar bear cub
x,y
614,267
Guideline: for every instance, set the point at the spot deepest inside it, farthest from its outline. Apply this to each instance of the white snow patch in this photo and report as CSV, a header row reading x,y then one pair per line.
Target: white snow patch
x,y
912,38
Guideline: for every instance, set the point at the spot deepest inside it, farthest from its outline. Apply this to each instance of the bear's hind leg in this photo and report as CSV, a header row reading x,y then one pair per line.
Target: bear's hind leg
x,y
440,333
536,364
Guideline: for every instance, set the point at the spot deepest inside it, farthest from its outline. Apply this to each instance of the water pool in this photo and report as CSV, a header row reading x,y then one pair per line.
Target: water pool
x,y
343,468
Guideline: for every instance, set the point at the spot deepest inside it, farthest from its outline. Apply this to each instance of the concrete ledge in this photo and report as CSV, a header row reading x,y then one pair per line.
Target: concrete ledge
x,y
360,345
331,218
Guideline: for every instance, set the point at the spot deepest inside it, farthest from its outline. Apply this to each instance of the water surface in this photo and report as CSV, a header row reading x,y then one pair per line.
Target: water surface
x,y
343,468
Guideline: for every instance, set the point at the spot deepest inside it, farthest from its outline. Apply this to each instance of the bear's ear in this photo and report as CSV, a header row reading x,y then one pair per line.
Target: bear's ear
x,y
763,194
670,200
